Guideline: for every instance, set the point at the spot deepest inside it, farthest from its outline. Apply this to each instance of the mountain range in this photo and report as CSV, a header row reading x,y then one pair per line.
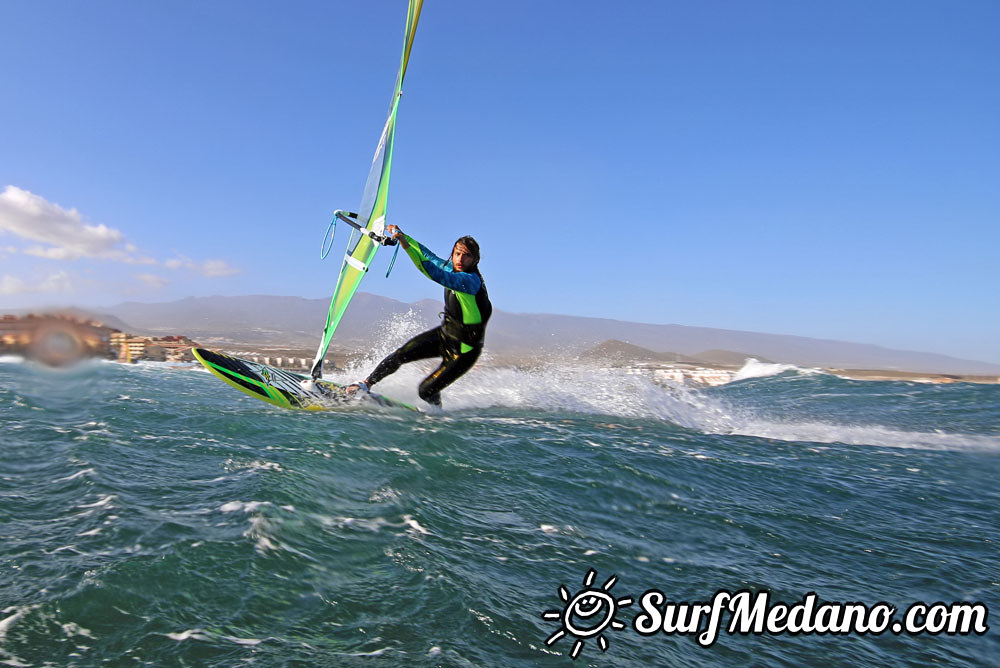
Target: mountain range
x,y
295,321
614,351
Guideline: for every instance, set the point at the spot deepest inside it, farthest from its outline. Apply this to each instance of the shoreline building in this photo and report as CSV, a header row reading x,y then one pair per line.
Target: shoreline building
x,y
55,340
130,348
62,339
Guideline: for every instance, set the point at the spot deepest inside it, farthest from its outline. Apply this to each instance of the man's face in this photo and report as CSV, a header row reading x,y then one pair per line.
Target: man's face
x,y
461,258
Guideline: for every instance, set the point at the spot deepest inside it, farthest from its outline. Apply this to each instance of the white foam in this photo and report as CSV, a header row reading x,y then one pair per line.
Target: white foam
x,y
255,465
392,333
374,652
79,474
754,368
383,494
612,392
202,635
247,507
413,524
259,527
6,623
616,392
197,634
72,629
875,435
100,503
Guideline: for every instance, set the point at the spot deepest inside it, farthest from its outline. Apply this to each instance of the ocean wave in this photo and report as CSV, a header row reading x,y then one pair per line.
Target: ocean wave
x,y
266,536
754,368
873,435
625,393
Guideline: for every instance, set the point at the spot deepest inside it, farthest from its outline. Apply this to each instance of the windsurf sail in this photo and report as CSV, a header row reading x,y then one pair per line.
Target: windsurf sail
x,y
369,223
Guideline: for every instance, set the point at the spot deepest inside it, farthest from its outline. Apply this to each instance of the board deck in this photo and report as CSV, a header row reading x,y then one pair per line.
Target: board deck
x,y
284,388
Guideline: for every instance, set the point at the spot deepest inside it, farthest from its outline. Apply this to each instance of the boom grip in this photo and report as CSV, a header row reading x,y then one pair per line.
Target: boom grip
x,y
351,219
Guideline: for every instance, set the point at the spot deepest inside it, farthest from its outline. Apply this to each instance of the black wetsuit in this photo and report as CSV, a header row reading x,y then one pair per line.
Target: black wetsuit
x,y
458,340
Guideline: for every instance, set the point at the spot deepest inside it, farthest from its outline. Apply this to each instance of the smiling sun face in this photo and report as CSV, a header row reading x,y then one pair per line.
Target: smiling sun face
x,y
587,614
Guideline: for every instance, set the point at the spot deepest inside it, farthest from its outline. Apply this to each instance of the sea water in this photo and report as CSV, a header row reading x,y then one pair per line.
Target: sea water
x,y
151,515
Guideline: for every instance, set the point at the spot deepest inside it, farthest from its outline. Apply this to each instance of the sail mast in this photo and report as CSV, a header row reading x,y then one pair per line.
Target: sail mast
x,y
370,219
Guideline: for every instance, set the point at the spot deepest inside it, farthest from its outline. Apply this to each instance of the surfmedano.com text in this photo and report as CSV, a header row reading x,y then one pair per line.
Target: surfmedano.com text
x,y
753,613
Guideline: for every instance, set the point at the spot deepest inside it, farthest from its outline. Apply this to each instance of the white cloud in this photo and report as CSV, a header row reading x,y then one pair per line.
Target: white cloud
x,y
31,217
65,236
152,280
207,268
12,285
51,253
60,282
218,268
140,260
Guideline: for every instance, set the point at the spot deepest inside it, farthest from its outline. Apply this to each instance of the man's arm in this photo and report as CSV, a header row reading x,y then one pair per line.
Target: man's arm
x,y
438,270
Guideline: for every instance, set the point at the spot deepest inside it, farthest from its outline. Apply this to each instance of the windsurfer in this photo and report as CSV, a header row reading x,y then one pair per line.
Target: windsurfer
x,y
460,337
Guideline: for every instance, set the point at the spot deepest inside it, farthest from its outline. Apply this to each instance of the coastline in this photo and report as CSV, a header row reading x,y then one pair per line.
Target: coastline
x,y
704,374
912,376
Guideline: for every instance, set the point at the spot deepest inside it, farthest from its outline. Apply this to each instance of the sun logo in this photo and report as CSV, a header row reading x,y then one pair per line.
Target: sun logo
x,y
588,613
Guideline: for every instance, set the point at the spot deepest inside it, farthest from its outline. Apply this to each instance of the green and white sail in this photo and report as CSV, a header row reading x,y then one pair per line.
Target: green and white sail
x,y
369,222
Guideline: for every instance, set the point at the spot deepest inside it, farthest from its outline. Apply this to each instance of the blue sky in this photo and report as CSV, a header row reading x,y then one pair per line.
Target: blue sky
x,y
825,169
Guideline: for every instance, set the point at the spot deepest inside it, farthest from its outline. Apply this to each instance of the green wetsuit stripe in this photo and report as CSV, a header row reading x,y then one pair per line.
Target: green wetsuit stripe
x,y
413,250
470,309
470,313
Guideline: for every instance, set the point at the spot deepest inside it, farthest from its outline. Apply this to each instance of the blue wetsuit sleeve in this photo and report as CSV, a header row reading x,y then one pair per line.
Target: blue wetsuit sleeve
x,y
440,271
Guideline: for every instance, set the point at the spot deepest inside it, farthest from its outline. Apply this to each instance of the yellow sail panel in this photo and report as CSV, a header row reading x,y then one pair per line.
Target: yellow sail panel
x,y
371,214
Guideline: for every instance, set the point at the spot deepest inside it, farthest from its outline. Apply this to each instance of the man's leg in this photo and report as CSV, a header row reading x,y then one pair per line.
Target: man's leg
x,y
421,346
451,369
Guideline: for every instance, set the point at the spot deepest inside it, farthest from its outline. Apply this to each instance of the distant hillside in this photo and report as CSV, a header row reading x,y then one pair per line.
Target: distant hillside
x,y
619,352
270,320
294,321
103,318
569,335
729,357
